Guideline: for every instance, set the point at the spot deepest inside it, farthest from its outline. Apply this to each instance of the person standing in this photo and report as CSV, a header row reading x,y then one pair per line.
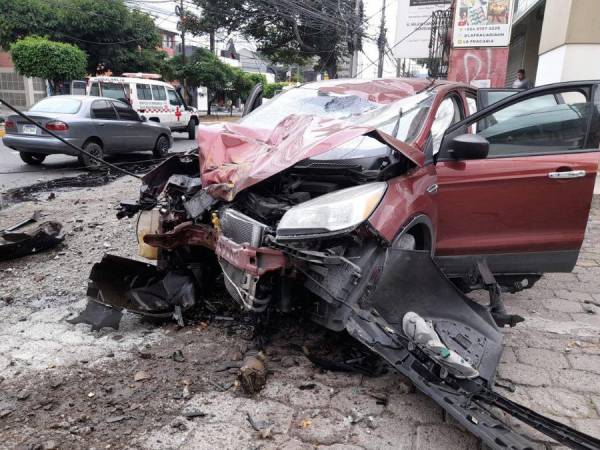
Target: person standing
x,y
522,82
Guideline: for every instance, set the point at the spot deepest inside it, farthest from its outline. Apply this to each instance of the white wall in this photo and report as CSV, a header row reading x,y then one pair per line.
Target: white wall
x,y
569,62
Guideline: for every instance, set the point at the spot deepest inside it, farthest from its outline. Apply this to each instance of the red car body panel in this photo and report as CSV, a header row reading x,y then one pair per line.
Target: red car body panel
x,y
511,205
405,199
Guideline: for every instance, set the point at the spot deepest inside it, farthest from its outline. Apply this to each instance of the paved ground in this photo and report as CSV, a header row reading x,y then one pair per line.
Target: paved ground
x,y
63,386
15,173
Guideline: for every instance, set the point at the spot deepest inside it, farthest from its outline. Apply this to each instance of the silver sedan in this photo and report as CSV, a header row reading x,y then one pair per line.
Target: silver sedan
x,y
99,125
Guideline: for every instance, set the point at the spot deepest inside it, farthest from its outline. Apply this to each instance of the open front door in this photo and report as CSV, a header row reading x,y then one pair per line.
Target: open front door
x,y
489,96
525,206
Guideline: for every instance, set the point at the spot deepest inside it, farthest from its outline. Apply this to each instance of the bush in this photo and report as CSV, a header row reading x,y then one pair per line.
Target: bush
x,y
36,56
272,89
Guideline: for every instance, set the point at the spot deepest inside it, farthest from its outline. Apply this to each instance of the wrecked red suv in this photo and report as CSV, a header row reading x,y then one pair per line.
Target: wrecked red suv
x,y
376,206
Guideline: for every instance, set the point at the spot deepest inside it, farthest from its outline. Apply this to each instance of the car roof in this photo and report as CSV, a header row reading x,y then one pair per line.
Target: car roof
x,y
110,79
82,98
380,90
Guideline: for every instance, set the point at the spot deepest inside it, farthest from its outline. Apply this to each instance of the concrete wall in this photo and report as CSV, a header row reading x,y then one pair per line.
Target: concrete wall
x,y
570,41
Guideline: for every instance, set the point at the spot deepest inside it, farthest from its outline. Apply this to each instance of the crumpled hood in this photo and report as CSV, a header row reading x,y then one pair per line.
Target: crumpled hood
x,y
234,157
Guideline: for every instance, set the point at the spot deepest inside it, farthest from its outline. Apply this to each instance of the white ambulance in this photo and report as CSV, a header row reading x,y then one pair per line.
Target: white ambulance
x,y
156,100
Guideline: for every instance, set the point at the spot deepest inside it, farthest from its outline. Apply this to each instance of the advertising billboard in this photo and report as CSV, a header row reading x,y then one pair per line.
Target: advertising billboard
x,y
413,27
482,23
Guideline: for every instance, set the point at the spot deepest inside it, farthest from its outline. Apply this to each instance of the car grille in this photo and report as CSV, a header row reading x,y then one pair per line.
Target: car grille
x,y
241,229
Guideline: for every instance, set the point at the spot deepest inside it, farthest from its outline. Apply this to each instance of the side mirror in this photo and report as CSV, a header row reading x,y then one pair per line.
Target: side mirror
x,y
469,146
143,118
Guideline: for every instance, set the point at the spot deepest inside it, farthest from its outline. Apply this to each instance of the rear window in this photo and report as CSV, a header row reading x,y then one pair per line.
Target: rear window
x,y
114,90
143,92
57,104
158,92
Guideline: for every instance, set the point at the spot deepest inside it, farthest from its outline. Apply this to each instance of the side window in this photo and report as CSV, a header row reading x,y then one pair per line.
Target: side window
x,y
447,113
143,92
95,90
173,98
125,111
102,109
471,103
549,123
158,92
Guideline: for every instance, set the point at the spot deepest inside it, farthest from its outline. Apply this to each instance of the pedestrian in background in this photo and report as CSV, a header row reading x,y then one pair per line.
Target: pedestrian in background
x,y
521,82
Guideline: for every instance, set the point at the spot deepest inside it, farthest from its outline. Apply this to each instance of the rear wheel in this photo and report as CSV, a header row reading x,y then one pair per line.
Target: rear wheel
x,y
161,148
93,148
191,129
35,159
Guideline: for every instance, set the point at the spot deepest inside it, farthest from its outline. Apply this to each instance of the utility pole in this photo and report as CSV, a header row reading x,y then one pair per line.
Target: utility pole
x,y
181,13
381,41
355,38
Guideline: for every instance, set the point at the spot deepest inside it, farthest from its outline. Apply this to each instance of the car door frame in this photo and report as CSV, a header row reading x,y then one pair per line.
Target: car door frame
x,y
456,262
130,130
104,126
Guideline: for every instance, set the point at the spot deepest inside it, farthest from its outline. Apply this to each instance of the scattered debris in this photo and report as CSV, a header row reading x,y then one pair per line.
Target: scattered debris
x,y
15,244
589,308
114,419
306,386
141,375
253,374
192,413
23,394
177,356
305,423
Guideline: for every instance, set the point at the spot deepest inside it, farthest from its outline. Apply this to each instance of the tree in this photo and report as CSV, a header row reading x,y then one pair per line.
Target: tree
x,y
113,36
286,31
35,56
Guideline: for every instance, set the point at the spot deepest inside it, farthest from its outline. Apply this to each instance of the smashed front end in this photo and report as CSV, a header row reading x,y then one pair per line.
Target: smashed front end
x,y
290,231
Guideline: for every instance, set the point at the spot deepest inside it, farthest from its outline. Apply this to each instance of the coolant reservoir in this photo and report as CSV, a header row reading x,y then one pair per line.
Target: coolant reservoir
x,y
148,223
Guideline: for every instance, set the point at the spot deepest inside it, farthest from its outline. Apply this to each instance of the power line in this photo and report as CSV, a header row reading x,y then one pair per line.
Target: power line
x,y
400,41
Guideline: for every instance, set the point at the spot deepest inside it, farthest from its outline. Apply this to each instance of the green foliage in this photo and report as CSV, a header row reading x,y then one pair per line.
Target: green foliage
x,y
35,56
286,32
272,89
205,69
113,36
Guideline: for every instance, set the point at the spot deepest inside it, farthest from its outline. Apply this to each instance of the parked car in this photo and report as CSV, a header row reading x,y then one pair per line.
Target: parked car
x,y
155,99
375,207
99,125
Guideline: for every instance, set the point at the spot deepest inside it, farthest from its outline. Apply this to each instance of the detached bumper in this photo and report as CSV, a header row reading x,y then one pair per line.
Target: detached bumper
x,y
46,145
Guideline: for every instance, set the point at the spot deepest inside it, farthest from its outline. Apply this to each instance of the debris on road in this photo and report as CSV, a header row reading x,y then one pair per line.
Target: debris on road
x,y
253,374
15,244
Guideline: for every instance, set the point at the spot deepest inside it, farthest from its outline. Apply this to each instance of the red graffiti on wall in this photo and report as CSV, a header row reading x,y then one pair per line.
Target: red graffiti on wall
x,y
468,64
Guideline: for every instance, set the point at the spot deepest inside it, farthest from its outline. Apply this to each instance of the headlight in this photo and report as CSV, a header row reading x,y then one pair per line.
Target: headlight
x,y
329,213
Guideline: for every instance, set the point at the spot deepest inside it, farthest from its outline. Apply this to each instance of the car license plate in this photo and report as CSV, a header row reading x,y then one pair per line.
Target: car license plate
x,y
29,129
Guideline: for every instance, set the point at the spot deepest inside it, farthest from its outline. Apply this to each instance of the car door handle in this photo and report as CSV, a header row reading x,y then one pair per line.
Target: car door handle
x,y
567,175
432,189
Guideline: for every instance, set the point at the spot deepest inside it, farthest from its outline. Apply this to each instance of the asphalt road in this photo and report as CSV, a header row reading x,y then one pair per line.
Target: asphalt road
x,y
15,173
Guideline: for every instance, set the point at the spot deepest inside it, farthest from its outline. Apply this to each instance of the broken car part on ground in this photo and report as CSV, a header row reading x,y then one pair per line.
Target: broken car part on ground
x,y
355,206
14,243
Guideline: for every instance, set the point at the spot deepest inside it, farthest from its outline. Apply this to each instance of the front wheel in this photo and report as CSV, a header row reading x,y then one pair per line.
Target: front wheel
x,y
161,148
191,129
93,149
34,159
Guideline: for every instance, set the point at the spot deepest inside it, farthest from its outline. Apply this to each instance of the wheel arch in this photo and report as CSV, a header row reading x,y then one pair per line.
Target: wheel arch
x,y
94,139
421,228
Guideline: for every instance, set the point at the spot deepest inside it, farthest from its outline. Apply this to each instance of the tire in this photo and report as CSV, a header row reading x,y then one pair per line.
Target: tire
x,y
89,163
161,148
34,159
191,129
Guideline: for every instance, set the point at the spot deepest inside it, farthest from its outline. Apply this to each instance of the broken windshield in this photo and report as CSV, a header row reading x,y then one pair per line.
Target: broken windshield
x,y
306,101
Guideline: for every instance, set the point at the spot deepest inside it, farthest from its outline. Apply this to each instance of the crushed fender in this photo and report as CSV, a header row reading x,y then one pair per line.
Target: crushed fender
x,y
15,244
